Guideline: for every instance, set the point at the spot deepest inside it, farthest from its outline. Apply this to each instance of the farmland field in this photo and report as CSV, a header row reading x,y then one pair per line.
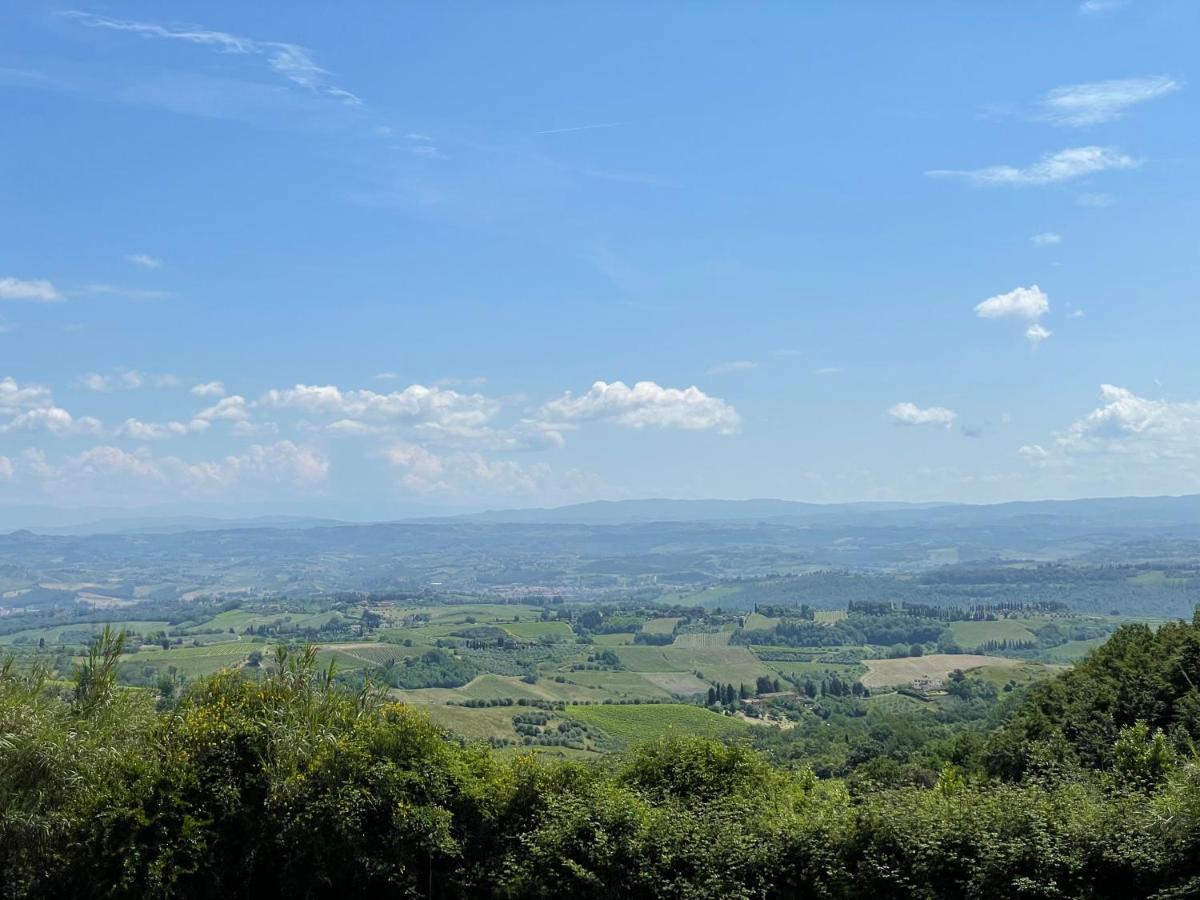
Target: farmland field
x,y
970,635
80,632
664,625
890,672
534,630
637,723
706,639
1072,651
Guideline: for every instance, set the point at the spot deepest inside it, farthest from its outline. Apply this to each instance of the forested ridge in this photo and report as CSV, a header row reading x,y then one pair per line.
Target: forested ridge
x,y
288,784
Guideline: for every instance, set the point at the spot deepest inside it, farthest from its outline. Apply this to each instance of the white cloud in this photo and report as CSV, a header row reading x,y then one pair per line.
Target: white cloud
x,y
109,472
290,61
432,407
459,473
144,260
1029,303
93,381
1046,239
1023,304
1128,424
127,380
209,389
1102,101
15,397
115,290
32,408
1035,333
1033,453
7,469
37,291
1127,437
54,419
646,404
1050,169
228,409
737,365
828,370
1096,201
1094,7
911,414
152,431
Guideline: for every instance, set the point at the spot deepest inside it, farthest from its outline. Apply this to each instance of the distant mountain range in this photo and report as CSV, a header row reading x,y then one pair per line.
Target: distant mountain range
x,y
1098,513
176,524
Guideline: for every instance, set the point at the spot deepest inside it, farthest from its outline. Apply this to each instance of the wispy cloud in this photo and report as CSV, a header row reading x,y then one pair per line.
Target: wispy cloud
x,y
1046,239
1097,201
737,365
1093,7
290,61
582,128
1102,101
114,290
144,260
129,379
1050,169
36,291
828,370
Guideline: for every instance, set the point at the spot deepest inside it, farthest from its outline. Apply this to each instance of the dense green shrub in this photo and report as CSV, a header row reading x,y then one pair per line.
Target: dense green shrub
x,y
286,784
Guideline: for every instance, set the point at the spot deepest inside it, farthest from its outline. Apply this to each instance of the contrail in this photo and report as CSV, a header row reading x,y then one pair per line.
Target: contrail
x,y
581,128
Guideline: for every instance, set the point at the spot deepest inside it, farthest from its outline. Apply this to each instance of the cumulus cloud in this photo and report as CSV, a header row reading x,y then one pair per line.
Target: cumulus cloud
x,y
1064,165
1102,101
1128,424
32,408
911,414
209,389
1127,436
433,409
228,409
37,291
107,471
152,431
144,260
1035,333
1024,303
54,419
423,471
15,397
645,405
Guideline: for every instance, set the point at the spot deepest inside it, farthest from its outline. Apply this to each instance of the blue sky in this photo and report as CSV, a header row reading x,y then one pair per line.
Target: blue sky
x,y
275,256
